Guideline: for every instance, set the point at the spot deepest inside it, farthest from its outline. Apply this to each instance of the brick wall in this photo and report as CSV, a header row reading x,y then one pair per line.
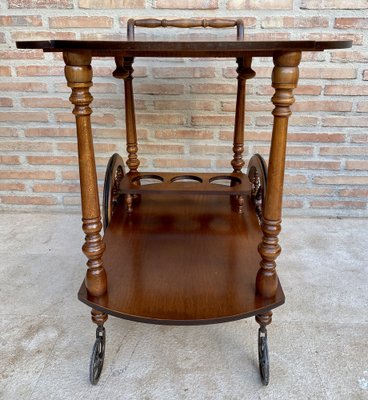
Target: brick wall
x,y
187,105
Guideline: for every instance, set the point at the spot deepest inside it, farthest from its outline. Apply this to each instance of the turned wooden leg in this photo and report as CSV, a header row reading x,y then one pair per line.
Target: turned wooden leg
x,y
284,79
78,73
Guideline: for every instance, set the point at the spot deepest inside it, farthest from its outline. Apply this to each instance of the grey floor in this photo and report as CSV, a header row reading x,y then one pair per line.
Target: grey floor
x,y
318,339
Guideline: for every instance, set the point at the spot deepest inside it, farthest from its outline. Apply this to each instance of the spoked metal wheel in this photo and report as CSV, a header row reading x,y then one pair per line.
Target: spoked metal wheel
x,y
257,174
264,365
115,172
98,355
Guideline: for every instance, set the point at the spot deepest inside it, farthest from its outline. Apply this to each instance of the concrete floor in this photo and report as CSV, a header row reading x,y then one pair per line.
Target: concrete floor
x,y
317,341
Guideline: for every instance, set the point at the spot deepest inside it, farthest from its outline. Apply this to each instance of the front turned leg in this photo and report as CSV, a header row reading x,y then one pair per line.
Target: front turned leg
x,y
284,79
263,360
78,73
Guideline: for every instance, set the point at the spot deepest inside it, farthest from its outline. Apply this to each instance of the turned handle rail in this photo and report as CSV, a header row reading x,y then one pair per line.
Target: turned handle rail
x,y
186,23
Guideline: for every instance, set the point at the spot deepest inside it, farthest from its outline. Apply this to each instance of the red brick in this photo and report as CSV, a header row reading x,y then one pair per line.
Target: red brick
x,y
5,71
21,55
340,150
312,165
184,134
362,106
316,137
21,20
328,73
183,72
333,4
23,87
8,132
341,180
260,4
44,102
18,174
346,90
331,106
209,149
12,187
39,70
187,4
108,4
29,200
337,204
50,132
80,22
365,75
55,188
249,135
291,203
212,120
6,102
213,88
348,23
357,39
9,160
264,36
157,88
345,121
166,119
107,88
117,133
349,56
2,37
357,165
161,149
71,201
52,160
24,116
249,106
294,22
359,138
184,105
299,179
181,163
312,90
354,193
307,191
44,35
25,146
40,3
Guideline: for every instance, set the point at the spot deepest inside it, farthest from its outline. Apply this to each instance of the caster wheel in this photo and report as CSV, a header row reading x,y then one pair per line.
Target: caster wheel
x,y
115,172
264,365
257,174
98,356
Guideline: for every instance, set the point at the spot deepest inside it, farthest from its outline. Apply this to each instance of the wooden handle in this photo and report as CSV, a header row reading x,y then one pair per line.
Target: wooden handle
x,y
186,23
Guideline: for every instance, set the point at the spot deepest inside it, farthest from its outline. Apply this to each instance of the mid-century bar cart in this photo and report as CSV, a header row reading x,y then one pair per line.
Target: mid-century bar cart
x,y
182,248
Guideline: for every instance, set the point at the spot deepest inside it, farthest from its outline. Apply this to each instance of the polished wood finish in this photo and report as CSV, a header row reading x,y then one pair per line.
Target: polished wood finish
x,y
174,254
182,183
186,23
78,73
245,72
284,79
182,259
124,70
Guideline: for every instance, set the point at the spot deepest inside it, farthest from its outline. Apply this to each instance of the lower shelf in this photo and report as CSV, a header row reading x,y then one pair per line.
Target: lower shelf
x,y
182,259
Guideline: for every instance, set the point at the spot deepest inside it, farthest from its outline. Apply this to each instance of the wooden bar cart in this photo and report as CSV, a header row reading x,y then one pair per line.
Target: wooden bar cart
x,y
182,248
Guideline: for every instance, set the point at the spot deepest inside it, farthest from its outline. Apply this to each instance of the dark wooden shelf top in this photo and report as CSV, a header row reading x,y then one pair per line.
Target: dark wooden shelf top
x,y
183,46
182,259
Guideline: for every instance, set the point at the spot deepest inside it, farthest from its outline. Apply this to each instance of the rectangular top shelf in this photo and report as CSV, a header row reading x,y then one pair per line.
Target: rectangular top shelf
x,y
184,45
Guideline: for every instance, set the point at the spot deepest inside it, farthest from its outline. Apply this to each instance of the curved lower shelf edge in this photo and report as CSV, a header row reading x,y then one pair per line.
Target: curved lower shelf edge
x,y
96,303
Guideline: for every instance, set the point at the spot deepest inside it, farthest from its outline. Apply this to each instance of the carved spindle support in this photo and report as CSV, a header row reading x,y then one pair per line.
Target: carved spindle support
x,y
264,319
78,73
98,317
124,70
284,79
245,72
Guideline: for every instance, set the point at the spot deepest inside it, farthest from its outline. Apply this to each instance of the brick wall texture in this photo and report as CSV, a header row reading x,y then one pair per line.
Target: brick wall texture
x,y
185,108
